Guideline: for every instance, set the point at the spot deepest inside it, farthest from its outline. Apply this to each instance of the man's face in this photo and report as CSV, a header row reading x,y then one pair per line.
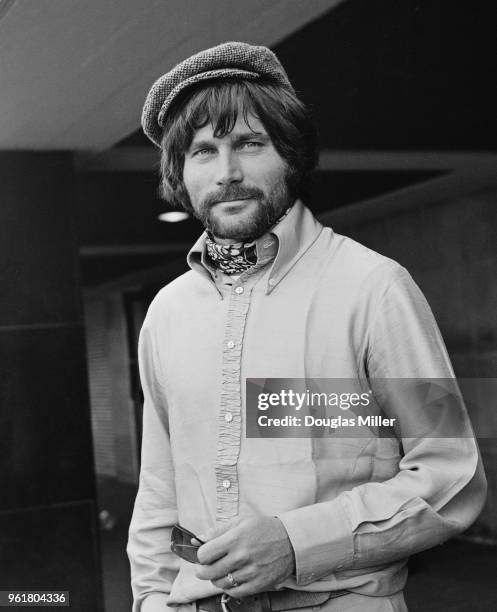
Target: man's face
x,y
237,184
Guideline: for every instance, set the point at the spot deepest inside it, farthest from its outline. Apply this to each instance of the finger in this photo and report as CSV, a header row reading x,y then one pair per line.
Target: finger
x,y
239,577
216,570
244,589
215,549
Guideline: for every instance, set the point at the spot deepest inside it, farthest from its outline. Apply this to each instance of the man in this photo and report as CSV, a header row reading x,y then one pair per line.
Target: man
x,y
323,523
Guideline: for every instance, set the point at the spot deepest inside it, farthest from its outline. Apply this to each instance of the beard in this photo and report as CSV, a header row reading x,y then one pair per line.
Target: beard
x,y
250,222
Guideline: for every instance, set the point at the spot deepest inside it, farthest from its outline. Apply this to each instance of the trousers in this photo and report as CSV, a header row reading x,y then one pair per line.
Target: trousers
x,y
353,602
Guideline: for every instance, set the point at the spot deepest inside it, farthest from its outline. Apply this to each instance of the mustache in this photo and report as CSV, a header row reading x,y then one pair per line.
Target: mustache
x,y
233,192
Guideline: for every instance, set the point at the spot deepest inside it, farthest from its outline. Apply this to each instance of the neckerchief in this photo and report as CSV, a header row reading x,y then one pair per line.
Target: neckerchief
x,y
232,258
235,258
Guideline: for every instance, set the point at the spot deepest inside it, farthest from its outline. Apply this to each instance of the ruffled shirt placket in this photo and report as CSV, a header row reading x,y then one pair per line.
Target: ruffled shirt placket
x,y
230,412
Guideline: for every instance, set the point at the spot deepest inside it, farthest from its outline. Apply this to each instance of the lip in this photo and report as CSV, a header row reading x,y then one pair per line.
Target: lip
x,y
238,203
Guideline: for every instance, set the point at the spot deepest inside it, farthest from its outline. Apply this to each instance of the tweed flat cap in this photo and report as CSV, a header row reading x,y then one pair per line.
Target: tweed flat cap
x,y
231,59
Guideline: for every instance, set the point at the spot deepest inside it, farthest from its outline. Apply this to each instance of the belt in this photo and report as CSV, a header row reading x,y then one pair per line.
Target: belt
x,y
270,601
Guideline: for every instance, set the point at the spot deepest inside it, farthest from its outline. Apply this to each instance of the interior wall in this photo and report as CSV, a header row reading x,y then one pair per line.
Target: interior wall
x,y
48,501
450,249
112,409
100,379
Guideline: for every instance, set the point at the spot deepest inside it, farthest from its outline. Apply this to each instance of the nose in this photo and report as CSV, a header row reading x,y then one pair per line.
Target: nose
x,y
229,169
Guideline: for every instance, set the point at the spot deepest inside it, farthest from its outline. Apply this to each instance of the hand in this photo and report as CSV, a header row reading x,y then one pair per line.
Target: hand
x,y
256,551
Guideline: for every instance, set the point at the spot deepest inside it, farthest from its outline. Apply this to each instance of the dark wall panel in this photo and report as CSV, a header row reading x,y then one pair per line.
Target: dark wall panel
x,y
46,455
48,502
52,549
38,268
399,75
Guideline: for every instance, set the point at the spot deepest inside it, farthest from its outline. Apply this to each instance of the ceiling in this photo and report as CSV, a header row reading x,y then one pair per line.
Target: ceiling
x,y
73,75
379,75
402,92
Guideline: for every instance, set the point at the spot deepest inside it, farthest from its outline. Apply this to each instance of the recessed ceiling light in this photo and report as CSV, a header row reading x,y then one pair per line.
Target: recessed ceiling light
x,y
173,216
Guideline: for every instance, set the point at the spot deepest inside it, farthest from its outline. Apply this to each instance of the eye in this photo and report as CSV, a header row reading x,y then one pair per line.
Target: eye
x,y
203,152
251,144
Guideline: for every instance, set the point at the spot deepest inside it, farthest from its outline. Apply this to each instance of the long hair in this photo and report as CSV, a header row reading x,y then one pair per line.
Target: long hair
x,y
283,115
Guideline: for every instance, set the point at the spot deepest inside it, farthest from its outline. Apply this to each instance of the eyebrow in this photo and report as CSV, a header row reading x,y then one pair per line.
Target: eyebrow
x,y
242,136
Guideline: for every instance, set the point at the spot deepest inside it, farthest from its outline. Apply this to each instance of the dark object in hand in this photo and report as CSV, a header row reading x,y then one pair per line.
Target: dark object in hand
x,y
181,544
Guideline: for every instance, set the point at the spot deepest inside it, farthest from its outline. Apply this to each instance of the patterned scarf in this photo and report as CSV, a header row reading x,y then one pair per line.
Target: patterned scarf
x,y
232,258
235,258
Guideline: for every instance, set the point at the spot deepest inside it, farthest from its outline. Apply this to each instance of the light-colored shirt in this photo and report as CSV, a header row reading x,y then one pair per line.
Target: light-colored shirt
x,y
320,306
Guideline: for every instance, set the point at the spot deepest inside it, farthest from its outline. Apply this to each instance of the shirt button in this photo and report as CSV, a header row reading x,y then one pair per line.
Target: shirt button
x,y
239,290
228,417
230,344
271,281
226,484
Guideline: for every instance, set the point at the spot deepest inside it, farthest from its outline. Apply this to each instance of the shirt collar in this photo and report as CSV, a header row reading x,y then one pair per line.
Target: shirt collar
x,y
294,234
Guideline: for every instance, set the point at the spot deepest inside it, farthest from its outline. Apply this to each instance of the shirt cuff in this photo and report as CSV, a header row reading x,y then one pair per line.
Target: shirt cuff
x,y
321,537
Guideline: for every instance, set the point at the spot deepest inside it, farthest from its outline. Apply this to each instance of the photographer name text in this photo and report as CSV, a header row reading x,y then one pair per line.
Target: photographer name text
x,y
331,422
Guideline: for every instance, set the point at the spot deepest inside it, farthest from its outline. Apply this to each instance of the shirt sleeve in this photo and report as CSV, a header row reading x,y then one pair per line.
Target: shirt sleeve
x,y
153,565
440,487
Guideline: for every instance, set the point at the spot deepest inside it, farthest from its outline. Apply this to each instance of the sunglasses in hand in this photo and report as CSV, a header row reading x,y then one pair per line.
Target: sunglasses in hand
x,y
181,544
